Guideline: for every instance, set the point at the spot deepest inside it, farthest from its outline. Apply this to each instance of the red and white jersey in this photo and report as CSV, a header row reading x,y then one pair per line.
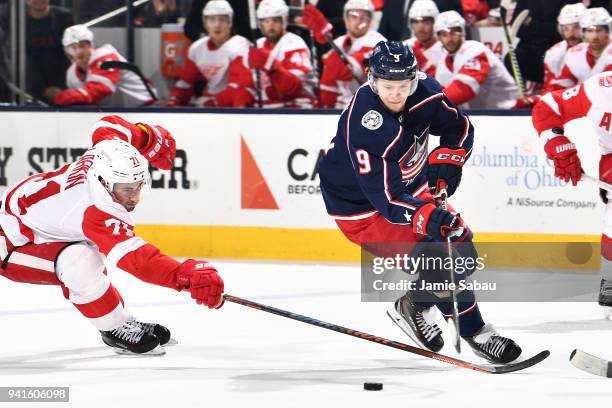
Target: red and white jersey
x,y
553,62
70,205
591,99
337,88
427,58
579,65
475,78
293,85
207,62
116,87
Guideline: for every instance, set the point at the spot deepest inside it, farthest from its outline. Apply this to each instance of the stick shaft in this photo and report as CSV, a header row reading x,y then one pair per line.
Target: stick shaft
x,y
113,13
356,333
597,181
518,78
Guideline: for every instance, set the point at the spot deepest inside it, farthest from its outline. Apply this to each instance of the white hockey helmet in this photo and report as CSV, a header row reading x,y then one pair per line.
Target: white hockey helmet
x,y
116,161
571,14
447,20
423,8
75,34
273,8
218,8
597,16
359,5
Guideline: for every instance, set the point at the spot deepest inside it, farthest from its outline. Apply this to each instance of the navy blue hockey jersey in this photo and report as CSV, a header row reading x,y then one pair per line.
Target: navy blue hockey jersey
x,y
377,162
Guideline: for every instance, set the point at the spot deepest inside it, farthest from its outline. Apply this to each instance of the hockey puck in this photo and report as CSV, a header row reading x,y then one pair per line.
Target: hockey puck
x,y
372,386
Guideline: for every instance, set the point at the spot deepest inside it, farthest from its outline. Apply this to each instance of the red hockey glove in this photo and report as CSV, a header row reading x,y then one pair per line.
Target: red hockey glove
x,y
203,281
72,97
564,155
160,146
317,23
437,223
445,165
526,102
258,59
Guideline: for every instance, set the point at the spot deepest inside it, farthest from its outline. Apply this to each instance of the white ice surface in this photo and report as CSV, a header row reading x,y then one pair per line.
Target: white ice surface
x,y
238,356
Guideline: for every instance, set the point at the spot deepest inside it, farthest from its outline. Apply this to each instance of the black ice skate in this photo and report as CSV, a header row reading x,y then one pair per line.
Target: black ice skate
x,y
409,317
161,332
132,338
605,297
488,344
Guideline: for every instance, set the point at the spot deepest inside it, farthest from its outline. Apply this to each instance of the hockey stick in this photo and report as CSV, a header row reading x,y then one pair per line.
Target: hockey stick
x,y
597,181
508,368
591,364
18,91
518,78
128,66
113,13
455,305
253,25
516,25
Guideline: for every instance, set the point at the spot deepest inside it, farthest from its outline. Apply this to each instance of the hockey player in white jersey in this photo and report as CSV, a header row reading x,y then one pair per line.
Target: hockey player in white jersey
x,y
425,46
287,78
569,28
340,80
218,60
592,56
591,99
56,227
472,76
88,84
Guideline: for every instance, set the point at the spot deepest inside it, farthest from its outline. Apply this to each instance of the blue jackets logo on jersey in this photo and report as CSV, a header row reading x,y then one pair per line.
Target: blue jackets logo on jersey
x,y
372,120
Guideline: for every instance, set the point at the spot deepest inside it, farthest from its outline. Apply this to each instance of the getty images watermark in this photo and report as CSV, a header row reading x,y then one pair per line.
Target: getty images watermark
x,y
507,272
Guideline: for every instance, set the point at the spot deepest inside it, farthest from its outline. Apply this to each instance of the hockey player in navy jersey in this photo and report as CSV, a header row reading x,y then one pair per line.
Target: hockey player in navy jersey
x,y
379,183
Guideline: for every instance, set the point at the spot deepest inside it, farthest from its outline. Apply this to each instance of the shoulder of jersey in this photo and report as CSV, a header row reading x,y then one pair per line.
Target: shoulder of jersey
x,y
410,41
339,41
599,88
197,45
376,36
104,50
578,48
292,42
237,43
471,46
427,87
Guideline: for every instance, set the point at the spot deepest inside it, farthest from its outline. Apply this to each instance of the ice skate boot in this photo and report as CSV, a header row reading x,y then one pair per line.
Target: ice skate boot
x,y
605,298
162,333
488,344
131,338
409,317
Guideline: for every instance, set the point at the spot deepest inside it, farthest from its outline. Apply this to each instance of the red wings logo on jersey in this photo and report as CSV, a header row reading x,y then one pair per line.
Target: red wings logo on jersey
x,y
210,71
605,81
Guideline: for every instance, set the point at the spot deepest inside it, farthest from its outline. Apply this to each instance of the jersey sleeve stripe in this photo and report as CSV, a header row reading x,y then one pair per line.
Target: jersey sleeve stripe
x,y
354,217
550,101
103,80
469,81
101,124
123,248
466,131
445,105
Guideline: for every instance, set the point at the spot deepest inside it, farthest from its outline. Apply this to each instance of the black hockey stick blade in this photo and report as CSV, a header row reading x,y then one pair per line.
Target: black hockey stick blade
x,y
508,368
128,66
591,364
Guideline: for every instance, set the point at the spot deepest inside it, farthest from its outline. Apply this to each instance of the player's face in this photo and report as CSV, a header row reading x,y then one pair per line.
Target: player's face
x,y
422,28
128,194
357,22
597,37
393,94
272,28
571,33
451,39
80,53
38,5
218,28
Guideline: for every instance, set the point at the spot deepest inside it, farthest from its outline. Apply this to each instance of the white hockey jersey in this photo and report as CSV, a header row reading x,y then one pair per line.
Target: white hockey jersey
x,y
127,89
212,64
427,58
476,79
591,99
293,56
338,84
70,205
578,65
553,63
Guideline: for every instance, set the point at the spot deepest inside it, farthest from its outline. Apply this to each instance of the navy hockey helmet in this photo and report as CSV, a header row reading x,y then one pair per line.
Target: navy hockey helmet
x,y
393,61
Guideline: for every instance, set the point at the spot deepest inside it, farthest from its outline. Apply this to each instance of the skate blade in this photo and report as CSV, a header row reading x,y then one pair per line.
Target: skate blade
x,y
405,327
171,342
156,352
